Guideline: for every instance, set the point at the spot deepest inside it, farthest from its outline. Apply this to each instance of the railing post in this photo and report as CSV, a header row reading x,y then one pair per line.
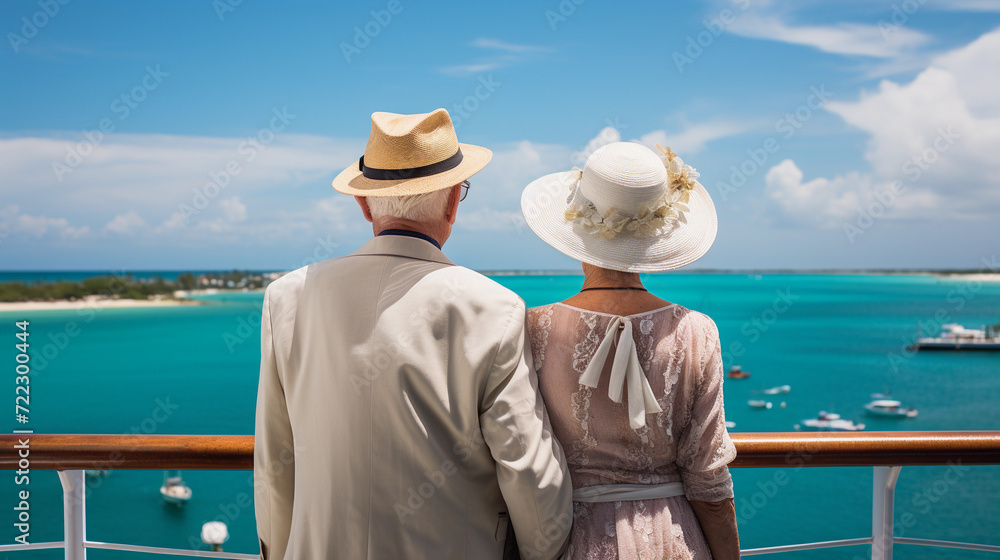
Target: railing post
x,y
883,498
74,514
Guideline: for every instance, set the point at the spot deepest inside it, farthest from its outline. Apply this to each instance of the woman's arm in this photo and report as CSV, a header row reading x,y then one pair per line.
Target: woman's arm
x,y
705,450
718,523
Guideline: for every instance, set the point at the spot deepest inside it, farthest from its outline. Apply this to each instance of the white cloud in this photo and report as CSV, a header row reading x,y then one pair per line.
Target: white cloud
x,y
13,221
694,137
841,38
474,68
497,44
968,5
607,135
829,203
233,209
125,224
937,135
140,178
502,54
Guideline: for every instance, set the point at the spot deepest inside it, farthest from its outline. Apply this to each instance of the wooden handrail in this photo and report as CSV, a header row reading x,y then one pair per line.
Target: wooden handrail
x,y
784,449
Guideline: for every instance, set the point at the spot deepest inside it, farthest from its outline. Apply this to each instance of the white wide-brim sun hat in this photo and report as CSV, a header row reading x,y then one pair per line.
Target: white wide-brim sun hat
x,y
629,209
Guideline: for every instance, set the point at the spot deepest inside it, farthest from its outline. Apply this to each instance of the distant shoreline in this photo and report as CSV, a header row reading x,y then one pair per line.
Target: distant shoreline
x,y
93,303
971,275
180,298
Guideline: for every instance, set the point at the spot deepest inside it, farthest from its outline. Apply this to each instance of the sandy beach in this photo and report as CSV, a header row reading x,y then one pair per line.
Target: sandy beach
x,y
92,303
974,277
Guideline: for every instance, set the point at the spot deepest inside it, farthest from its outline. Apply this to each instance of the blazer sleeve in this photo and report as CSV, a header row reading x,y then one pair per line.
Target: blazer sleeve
x,y
273,456
531,466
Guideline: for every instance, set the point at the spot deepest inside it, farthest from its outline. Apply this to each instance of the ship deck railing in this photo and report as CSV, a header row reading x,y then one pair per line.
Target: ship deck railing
x,y
885,452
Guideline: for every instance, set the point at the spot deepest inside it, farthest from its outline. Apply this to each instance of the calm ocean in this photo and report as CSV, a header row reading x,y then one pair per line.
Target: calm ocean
x,y
834,338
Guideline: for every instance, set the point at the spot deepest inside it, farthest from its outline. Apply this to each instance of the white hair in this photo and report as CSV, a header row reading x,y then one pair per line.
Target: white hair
x,y
422,207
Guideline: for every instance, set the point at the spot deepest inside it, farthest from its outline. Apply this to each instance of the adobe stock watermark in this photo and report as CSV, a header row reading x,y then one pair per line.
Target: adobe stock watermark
x,y
461,111
31,25
788,125
714,27
364,34
755,327
58,340
562,12
122,106
248,325
225,7
232,510
417,497
559,190
923,501
162,410
900,15
246,152
464,449
543,539
913,168
387,351
610,134
749,506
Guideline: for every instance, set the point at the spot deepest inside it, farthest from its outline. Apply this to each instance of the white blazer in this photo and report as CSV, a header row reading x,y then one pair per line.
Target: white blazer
x,y
398,414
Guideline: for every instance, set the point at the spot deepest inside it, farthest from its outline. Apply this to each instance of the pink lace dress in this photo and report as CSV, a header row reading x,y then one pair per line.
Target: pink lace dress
x,y
687,442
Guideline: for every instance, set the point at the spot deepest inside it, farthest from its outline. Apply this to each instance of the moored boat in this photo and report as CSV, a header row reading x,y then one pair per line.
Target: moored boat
x,y
736,372
830,422
759,404
956,337
779,390
174,491
890,408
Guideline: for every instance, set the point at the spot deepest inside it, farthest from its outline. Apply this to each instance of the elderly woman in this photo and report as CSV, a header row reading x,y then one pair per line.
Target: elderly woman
x,y
633,383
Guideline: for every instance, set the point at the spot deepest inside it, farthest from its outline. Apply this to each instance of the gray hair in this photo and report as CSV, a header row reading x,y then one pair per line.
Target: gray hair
x,y
422,207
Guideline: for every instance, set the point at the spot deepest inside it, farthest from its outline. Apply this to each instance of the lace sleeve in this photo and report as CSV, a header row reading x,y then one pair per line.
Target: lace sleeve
x,y
704,449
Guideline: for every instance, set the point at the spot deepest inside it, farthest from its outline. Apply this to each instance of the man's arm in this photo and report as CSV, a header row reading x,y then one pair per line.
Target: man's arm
x,y
273,455
531,467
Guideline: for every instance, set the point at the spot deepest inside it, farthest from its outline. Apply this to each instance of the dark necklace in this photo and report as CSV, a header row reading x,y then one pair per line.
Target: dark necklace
x,y
613,288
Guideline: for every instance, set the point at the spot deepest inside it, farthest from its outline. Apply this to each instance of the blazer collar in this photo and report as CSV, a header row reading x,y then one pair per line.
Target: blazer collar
x,y
397,245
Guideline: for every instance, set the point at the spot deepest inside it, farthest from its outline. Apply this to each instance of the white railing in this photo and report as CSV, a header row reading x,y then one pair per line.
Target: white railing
x,y
75,540
882,539
886,452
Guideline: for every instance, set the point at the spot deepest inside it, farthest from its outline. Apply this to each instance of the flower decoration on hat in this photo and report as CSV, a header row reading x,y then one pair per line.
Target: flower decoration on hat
x,y
682,178
651,220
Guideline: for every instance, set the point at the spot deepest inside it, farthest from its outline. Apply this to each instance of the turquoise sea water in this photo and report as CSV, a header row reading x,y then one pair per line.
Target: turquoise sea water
x,y
833,338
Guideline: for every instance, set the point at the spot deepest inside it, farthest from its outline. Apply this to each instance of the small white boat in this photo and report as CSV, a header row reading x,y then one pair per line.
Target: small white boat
x,y
956,337
780,390
760,404
830,422
891,408
174,491
730,424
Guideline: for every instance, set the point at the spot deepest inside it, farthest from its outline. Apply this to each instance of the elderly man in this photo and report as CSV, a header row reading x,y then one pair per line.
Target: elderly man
x,y
398,414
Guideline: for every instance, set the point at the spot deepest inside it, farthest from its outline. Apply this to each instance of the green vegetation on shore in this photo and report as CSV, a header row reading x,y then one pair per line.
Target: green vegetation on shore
x,y
127,287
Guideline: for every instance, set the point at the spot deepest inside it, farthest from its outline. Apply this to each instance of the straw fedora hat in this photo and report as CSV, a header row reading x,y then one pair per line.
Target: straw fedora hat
x,y
411,154
629,209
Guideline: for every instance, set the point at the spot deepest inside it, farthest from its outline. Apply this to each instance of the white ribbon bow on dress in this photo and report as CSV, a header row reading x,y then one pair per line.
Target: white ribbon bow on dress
x,y
625,366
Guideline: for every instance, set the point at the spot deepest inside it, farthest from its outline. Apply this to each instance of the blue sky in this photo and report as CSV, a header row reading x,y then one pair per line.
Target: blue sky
x,y
881,122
